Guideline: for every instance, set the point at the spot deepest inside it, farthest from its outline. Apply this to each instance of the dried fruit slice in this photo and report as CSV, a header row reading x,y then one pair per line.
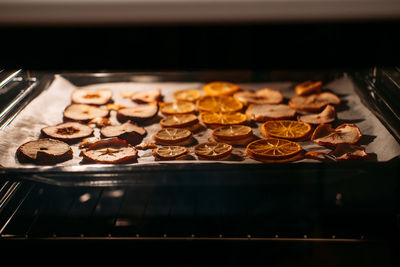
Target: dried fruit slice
x,y
273,149
146,145
110,151
218,104
263,96
148,96
213,150
292,130
179,121
99,122
177,108
91,97
127,131
216,119
233,135
348,151
113,106
84,113
325,135
308,87
317,155
173,136
190,95
140,113
220,88
68,131
86,142
326,116
44,151
170,152
265,112
314,102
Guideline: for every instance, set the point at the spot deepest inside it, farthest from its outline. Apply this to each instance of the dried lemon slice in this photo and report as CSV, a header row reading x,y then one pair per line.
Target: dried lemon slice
x,y
173,136
220,88
213,150
179,121
169,152
292,130
214,119
272,149
174,108
218,104
190,95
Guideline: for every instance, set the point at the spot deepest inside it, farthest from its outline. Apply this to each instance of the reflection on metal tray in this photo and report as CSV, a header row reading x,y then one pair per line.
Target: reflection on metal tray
x,y
53,92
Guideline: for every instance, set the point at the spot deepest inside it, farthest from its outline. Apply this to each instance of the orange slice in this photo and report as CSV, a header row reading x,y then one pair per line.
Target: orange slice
x,y
169,152
172,136
213,150
190,95
174,108
218,104
220,88
292,130
239,135
273,149
179,121
233,132
213,120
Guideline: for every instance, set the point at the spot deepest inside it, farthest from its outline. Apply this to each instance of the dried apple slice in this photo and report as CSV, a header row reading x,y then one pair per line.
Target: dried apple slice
x,y
326,116
91,97
325,135
68,131
348,151
84,113
127,131
263,96
44,151
139,113
110,151
314,102
265,112
148,96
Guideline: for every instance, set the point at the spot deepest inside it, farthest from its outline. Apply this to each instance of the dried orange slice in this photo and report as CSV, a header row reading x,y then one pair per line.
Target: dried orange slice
x,y
308,87
190,95
233,134
220,88
174,108
169,152
179,121
292,130
218,104
214,119
273,149
213,150
173,136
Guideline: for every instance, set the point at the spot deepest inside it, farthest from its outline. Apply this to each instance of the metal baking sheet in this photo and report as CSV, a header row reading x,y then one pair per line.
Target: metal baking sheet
x,y
47,109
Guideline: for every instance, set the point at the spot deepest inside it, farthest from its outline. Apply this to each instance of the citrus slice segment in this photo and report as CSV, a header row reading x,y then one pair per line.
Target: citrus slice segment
x,y
190,95
292,130
213,150
272,149
169,152
220,88
179,121
218,104
174,108
170,136
214,119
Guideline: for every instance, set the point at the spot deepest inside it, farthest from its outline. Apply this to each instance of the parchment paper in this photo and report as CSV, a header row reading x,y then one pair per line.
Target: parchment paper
x,y
47,109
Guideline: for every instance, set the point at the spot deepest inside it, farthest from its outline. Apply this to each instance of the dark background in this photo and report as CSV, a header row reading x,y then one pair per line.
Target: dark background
x,y
199,47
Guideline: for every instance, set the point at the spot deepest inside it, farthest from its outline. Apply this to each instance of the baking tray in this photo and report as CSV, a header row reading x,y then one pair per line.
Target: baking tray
x,y
49,94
